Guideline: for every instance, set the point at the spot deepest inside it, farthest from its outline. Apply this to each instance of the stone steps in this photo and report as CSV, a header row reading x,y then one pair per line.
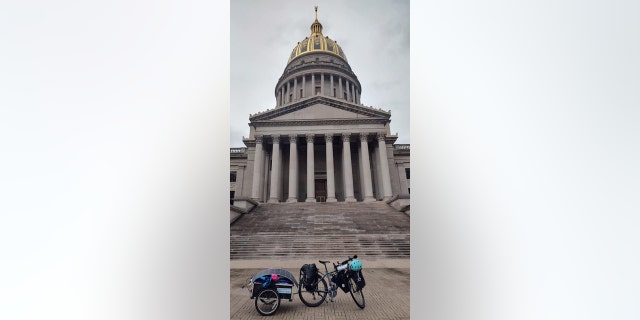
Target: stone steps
x,y
321,230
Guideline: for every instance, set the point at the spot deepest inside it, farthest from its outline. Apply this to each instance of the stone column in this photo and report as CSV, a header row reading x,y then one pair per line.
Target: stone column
x,y
293,169
286,98
313,84
266,174
295,88
347,86
257,170
331,93
346,169
331,181
366,168
274,197
340,93
321,84
304,86
311,187
353,93
384,165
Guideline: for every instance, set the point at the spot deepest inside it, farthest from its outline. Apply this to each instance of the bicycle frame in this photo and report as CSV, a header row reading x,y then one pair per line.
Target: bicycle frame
x,y
332,291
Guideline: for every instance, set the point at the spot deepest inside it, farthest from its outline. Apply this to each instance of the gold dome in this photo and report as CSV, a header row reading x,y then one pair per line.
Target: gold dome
x,y
316,42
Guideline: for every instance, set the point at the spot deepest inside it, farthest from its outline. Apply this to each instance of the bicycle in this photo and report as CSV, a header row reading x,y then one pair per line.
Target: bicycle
x,y
314,292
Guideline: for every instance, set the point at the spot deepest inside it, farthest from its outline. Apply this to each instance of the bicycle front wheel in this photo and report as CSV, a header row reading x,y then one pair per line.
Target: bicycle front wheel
x,y
267,302
313,296
357,295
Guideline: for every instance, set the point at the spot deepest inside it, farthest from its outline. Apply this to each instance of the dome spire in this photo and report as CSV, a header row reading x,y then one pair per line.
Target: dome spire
x,y
316,27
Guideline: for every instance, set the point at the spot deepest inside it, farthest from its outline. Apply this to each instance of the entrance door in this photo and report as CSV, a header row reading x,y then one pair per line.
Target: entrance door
x,y
321,190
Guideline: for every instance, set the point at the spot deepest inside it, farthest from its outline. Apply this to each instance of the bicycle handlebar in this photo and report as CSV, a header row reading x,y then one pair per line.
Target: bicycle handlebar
x,y
351,258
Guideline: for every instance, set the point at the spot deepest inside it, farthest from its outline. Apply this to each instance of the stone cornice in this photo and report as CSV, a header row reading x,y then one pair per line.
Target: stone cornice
x,y
304,63
290,123
249,142
332,102
326,70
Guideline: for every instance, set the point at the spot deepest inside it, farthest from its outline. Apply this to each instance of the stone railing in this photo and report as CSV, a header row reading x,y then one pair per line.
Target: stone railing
x,y
241,150
401,202
240,207
401,149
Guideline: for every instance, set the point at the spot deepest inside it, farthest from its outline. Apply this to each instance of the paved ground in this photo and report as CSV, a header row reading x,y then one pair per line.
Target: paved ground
x,y
386,293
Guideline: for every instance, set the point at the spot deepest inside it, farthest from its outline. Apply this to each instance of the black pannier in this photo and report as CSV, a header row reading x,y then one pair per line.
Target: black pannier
x,y
358,278
309,276
342,280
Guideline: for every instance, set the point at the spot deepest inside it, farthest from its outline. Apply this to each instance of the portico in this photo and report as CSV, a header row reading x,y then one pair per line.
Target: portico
x,y
320,170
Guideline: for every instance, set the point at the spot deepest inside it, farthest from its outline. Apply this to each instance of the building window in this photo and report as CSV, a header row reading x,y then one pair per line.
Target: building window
x,y
317,90
301,93
345,95
334,92
231,196
406,172
290,97
233,176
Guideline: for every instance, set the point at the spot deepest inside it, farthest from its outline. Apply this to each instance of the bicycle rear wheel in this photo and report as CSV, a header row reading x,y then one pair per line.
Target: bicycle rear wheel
x,y
357,295
267,302
315,295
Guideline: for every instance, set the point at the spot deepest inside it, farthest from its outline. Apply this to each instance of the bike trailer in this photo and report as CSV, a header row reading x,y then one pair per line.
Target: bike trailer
x,y
284,285
268,287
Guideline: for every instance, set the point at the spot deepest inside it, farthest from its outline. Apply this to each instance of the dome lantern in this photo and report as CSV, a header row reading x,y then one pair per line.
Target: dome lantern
x,y
317,42
316,26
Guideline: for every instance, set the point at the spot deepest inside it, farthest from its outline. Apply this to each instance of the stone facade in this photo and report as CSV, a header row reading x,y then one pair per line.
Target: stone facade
x,y
319,143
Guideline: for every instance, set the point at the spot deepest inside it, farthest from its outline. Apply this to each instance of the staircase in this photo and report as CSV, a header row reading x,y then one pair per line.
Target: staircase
x,y
321,230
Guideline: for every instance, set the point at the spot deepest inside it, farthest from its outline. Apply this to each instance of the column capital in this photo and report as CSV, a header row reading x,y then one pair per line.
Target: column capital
x,y
381,136
346,137
328,137
310,138
276,139
293,138
363,136
258,139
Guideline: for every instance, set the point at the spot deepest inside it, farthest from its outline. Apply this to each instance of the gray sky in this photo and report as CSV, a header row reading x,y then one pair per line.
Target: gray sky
x,y
114,122
373,35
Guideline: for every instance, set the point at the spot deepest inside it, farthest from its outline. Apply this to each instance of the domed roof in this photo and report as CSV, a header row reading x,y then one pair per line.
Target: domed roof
x,y
316,42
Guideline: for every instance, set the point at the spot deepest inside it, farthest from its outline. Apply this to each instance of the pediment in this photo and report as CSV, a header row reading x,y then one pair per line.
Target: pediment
x,y
319,111
321,108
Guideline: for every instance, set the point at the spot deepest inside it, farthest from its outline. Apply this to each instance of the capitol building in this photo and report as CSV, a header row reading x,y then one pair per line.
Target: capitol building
x,y
319,143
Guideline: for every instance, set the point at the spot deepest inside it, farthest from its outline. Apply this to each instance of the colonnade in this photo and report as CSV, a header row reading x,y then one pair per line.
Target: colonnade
x,y
347,170
297,88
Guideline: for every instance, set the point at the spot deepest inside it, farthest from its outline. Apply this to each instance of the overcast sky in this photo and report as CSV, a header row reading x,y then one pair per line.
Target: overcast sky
x,y
373,35
114,152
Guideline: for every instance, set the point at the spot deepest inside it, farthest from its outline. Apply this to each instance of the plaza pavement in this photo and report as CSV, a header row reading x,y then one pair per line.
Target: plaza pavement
x,y
386,293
